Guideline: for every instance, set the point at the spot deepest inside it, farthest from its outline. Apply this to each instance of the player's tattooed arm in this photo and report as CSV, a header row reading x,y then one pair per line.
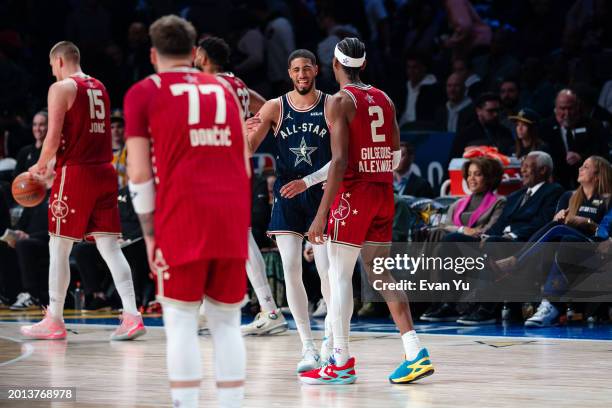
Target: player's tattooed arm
x,y
146,223
259,125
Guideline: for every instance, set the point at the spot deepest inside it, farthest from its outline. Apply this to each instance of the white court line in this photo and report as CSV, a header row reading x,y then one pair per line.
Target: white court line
x,y
380,333
26,351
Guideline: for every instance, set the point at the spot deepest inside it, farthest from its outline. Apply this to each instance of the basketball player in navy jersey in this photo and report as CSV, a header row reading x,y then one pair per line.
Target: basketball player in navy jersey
x,y
212,56
299,124
357,208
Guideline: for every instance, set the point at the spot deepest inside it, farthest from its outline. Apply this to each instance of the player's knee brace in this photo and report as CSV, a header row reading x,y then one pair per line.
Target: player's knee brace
x,y
230,355
183,349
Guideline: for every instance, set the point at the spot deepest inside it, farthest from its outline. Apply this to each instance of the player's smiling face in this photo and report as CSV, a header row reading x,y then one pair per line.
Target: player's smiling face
x,y
302,72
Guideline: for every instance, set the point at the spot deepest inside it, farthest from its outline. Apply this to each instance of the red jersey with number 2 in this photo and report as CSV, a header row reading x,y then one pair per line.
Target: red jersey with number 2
x,y
370,143
202,208
86,137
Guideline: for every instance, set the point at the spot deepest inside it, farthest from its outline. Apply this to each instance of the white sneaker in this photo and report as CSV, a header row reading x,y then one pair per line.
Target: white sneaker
x,y
310,360
544,316
321,310
327,349
203,329
265,323
25,301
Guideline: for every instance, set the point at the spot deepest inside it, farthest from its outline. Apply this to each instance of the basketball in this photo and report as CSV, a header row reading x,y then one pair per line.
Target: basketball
x,y
28,191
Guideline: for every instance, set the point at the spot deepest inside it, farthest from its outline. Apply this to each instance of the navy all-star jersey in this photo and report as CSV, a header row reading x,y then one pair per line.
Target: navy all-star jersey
x,y
303,147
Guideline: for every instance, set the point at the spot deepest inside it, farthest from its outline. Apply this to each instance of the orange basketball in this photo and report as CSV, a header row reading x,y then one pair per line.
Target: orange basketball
x,y
28,191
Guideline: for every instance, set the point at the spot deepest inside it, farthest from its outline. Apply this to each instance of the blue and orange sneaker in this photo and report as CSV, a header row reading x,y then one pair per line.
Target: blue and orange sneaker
x,y
410,371
331,374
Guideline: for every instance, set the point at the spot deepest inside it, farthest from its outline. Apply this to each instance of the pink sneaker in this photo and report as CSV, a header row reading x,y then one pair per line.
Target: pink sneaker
x,y
130,328
48,328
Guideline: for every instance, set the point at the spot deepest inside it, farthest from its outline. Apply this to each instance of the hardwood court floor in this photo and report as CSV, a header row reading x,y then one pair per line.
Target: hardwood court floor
x,y
471,371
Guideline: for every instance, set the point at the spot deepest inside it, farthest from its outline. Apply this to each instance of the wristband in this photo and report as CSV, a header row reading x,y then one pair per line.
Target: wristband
x,y
143,196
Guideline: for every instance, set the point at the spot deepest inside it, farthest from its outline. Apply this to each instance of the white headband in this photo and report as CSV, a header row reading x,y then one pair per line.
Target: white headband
x,y
348,61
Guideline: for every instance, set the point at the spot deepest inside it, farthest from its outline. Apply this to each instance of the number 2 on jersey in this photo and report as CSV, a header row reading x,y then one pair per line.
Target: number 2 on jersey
x,y
193,92
375,124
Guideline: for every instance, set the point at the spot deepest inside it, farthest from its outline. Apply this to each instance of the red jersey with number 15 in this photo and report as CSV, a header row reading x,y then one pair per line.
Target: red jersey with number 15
x,y
202,208
370,140
86,137
240,90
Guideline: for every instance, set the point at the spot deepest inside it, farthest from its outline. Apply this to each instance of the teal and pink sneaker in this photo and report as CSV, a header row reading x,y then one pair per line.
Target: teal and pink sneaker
x,y
331,374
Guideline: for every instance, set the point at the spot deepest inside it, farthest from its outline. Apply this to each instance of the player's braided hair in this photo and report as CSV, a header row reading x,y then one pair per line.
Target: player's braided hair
x,y
217,50
352,47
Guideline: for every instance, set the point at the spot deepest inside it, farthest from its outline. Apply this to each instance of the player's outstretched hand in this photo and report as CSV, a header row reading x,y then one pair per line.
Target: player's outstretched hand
x,y
315,232
293,188
252,124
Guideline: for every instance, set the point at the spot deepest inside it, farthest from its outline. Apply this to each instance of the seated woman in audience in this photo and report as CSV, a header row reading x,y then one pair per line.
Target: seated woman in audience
x,y
471,215
475,213
527,138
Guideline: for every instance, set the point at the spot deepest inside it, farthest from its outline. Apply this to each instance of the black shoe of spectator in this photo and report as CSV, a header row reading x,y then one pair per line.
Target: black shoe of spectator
x,y
97,304
432,308
445,313
25,301
478,317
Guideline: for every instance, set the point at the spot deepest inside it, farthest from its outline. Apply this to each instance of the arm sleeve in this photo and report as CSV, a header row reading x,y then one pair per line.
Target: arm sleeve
x,y
317,176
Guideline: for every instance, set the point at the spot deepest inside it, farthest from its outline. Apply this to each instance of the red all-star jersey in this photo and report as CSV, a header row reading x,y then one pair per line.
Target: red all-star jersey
x,y
202,208
370,141
86,137
240,90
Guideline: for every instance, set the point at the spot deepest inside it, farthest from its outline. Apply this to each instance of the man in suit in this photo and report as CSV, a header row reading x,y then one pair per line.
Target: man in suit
x,y
487,130
422,93
572,138
526,211
405,181
458,112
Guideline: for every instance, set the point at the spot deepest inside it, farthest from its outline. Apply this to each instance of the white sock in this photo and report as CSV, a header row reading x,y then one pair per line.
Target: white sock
x,y
412,345
119,267
256,271
185,397
183,356
59,274
342,259
230,397
290,248
322,263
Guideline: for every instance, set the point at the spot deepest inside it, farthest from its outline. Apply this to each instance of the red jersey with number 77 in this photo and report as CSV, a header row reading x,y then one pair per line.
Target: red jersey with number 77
x,y
86,137
370,142
202,208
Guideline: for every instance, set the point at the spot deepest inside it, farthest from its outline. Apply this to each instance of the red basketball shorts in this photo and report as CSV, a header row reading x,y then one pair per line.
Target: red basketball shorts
x,y
83,202
362,213
223,280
